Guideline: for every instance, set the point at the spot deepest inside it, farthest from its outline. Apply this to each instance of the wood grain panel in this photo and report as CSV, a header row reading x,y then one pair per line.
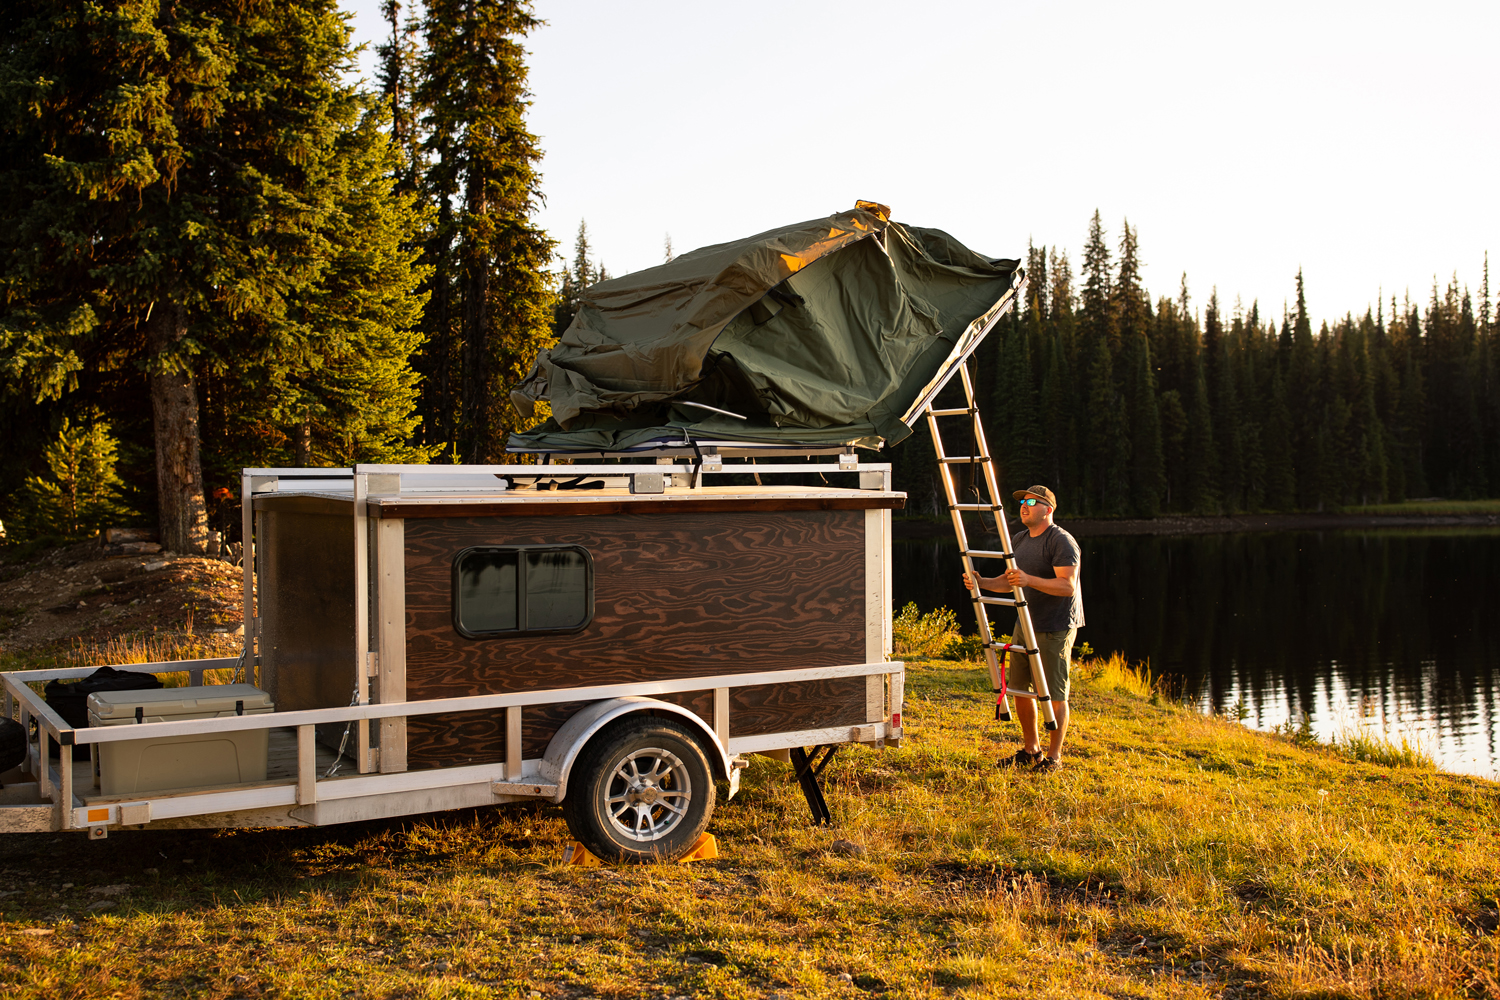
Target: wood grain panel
x,y
688,596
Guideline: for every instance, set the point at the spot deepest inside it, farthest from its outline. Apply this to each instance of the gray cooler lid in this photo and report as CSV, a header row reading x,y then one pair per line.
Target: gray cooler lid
x,y
209,699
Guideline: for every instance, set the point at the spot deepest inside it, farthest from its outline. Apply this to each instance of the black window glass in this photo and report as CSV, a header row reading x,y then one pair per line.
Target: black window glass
x,y
522,589
556,589
488,598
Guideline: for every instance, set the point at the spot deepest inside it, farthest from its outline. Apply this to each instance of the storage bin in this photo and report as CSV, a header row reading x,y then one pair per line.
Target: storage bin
x,y
153,764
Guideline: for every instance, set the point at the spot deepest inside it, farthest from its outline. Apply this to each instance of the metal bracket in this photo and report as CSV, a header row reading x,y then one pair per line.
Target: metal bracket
x,y
849,463
648,482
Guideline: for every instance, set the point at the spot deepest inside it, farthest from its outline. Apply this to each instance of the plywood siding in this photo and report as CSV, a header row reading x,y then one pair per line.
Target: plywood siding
x,y
687,595
307,607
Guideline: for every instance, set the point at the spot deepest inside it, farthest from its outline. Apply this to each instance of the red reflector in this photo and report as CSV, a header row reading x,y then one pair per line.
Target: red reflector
x,y
896,720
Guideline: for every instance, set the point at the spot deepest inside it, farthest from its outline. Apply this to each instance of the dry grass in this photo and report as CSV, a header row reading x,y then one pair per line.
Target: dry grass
x,y
1175,855
145,647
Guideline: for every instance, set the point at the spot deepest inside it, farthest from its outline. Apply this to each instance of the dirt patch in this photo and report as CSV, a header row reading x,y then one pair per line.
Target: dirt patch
x,y
75,596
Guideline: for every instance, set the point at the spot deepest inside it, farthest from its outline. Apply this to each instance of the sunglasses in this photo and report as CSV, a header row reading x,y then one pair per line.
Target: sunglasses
x,y
1032,502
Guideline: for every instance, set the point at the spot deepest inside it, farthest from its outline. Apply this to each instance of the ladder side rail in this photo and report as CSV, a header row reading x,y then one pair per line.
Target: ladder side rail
x,y
981,617
951,495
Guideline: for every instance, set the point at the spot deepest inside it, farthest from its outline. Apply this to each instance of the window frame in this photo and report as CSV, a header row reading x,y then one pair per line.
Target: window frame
x,y
521,598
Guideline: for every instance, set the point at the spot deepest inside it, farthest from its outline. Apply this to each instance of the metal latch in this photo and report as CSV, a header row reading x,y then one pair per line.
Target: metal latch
x,y
648,482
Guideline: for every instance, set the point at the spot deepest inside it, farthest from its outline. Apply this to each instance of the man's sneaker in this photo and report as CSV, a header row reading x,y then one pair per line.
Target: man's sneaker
x,y
1021,758
1047,765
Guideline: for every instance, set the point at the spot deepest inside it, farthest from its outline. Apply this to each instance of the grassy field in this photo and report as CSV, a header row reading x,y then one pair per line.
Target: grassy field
x,y
1175,855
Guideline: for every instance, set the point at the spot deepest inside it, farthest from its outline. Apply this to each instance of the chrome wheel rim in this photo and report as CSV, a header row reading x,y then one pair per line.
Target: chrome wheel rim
x,y
648,795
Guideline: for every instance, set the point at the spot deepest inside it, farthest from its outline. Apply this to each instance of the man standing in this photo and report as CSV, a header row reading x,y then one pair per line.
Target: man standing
x,y
1046,561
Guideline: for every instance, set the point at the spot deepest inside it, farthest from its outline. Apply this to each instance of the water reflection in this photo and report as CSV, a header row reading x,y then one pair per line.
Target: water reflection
x,y
1398,630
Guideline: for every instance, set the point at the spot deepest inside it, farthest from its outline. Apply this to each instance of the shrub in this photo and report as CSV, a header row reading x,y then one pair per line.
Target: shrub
x,y
923,636
1378,748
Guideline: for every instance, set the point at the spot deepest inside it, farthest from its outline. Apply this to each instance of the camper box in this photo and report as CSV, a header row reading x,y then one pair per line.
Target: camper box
x,y
527,591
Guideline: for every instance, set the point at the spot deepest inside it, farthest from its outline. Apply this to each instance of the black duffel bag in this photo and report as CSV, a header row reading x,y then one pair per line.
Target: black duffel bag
x,y
12,745
70,699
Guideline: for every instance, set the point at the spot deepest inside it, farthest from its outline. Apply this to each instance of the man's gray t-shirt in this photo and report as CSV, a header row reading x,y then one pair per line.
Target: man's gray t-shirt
x,y
1037,556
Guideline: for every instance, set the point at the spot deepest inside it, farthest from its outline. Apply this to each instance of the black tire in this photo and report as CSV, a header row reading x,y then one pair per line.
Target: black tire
x,y
12,745
662,814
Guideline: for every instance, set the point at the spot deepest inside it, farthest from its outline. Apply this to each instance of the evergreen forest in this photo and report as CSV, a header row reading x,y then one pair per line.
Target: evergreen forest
x,y
219,250
1129,407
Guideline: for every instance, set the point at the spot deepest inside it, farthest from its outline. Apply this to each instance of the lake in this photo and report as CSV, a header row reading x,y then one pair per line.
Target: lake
x,y
1397,630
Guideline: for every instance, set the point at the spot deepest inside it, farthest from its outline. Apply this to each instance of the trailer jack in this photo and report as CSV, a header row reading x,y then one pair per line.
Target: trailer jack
x,y
809,769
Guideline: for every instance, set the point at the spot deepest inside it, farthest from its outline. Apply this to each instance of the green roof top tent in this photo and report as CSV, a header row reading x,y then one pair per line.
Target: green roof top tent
x,y
818,335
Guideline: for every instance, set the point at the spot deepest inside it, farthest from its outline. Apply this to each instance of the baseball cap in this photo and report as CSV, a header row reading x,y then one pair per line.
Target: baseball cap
x,y
1040,492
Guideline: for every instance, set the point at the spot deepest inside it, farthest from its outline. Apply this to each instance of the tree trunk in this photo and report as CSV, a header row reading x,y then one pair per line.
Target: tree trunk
x,y
476,446
183,516
304,444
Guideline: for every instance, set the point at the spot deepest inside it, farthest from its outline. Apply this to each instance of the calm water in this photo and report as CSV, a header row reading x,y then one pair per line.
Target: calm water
x,y
1395,630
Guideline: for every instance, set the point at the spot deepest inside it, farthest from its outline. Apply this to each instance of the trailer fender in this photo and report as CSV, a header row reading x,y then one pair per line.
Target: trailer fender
x,y
570,740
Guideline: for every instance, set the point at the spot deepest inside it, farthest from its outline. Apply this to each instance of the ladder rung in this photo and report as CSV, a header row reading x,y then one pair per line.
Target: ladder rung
x,y
950,413
1030,694
986,554
973,506
965,460
1009,602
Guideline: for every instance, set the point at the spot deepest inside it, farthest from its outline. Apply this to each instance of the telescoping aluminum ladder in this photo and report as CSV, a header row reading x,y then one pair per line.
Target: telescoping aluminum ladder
x,y
993,651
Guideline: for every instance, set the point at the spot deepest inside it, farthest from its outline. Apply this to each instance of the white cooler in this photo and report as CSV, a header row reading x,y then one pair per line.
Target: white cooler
x,y
159,764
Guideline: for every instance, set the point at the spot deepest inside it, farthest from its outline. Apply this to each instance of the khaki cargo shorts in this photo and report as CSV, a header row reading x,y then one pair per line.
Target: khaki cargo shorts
x,y
1057,654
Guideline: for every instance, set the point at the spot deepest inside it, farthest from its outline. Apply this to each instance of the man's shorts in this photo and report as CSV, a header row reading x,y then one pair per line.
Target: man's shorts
x,y
1057,653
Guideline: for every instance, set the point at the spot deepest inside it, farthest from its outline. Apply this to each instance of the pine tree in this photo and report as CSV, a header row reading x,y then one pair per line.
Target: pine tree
x,y
1095,322
166,201
1302,380
493,297
1218,364
1022,431
83,494
1108,469
397,64
575,279
1147,473
1132,319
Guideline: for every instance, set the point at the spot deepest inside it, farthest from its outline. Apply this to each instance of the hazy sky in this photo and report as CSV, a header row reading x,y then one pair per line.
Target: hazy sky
x,y
1354,140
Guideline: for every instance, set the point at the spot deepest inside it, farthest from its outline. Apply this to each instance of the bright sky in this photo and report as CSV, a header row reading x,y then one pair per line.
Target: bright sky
x,y
1354,140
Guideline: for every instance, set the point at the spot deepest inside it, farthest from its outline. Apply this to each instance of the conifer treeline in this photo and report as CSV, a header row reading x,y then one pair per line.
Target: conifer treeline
x,y
214,244
1126,407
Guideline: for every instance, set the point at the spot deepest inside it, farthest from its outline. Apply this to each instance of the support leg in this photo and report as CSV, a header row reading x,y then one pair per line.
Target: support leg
x,y
808,768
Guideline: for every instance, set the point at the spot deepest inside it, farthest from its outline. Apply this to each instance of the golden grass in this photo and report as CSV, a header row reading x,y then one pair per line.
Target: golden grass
x,y
1174,855
142,647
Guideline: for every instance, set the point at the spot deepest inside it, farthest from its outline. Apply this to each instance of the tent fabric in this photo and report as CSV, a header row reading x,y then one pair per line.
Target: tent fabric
x,y
819,333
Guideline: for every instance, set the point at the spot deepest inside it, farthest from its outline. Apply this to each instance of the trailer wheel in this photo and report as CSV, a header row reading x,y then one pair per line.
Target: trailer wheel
x,y
641,791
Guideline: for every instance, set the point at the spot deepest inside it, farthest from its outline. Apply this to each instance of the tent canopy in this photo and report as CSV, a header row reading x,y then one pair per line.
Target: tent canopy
x,y
826,332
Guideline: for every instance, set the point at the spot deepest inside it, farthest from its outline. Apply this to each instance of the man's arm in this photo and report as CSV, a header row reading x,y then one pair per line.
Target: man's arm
x,y
987,583
1065,584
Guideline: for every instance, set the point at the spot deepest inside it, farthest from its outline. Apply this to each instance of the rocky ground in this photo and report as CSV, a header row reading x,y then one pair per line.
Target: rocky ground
x,y
69,598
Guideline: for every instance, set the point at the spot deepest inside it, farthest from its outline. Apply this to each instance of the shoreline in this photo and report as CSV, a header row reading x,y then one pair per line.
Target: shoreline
x,y
914,529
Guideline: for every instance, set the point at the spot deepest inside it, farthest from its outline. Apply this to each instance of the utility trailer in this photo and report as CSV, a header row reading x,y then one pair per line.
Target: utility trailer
x,y
607,628
613,637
